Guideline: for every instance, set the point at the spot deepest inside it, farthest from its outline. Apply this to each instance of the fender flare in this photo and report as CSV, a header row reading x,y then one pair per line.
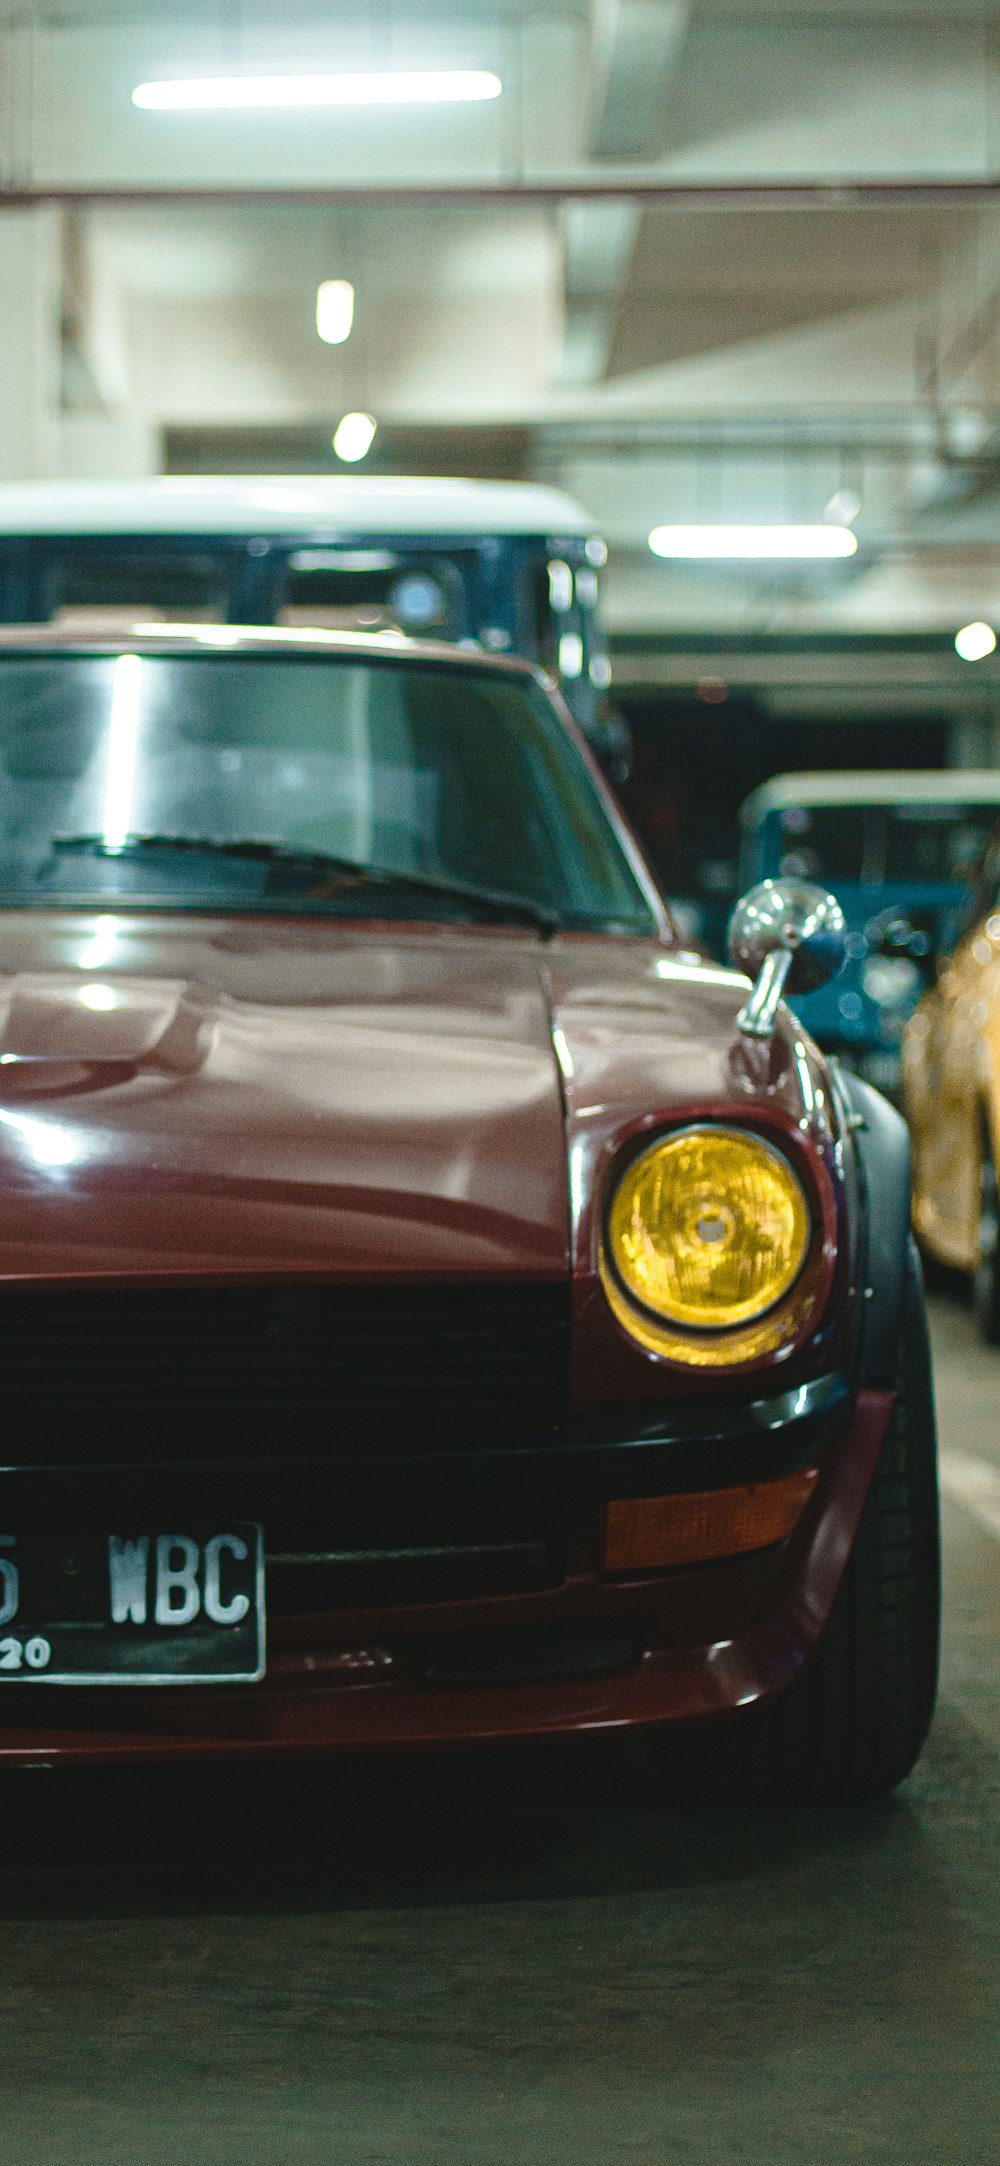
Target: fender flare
x,y
886,1253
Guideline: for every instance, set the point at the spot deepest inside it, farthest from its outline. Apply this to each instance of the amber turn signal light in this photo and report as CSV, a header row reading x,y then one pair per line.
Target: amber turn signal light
x,y
648,1533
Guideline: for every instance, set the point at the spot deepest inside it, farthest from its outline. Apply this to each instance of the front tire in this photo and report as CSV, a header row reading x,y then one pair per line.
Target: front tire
x,y
853,1722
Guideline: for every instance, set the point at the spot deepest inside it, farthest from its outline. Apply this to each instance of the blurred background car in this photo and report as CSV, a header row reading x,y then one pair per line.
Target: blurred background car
x,y
951,1066
901,849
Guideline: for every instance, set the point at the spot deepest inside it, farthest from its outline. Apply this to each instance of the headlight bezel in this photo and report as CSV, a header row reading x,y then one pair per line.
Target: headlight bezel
x,y
777,1330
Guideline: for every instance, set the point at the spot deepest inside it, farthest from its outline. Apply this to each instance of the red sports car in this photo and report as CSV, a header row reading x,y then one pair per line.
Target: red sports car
x,y
433,1304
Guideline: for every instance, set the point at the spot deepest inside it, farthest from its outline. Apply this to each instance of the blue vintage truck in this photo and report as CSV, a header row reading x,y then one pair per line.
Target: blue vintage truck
x,y
899,849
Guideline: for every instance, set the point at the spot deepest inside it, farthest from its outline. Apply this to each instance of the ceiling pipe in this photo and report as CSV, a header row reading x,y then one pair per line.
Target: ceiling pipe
x,y
573,187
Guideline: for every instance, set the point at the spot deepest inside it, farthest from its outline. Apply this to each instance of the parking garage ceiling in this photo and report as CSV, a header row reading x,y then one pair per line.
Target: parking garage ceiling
x,y
696,261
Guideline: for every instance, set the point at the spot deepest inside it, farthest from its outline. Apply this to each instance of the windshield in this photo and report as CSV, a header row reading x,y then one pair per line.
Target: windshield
x,y
443,775
871,844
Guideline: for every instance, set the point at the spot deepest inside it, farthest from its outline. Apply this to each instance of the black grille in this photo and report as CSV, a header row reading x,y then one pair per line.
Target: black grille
x,y
303,1582
210,1363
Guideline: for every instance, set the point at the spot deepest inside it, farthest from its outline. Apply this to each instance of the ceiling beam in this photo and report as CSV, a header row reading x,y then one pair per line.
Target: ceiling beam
x,y
598,240
635,48
875,672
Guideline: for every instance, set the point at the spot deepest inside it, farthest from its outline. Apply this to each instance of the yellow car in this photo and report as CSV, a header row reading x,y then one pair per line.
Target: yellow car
x,y
951,1075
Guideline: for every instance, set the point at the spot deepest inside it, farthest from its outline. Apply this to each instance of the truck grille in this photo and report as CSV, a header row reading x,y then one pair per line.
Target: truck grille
x,y
91,1364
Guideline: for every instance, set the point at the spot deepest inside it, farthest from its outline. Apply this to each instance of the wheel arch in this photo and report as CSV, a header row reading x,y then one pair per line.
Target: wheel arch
x,y
881,1144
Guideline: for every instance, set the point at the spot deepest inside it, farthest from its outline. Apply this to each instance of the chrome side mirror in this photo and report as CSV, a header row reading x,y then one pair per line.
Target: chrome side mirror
x,y
789,937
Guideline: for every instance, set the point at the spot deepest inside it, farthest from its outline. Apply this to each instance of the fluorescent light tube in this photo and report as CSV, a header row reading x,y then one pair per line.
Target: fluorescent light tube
x,y
752,541
243,93
334,310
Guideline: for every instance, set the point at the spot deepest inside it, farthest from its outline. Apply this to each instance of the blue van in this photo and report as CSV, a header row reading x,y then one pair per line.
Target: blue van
x,y
507,566
899,850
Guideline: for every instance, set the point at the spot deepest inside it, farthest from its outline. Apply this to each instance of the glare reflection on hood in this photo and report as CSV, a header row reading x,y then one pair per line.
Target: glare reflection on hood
x,y
100,945
47,1143
122,744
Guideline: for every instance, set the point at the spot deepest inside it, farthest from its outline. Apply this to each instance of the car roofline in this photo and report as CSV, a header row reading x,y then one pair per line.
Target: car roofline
x,y
150,638
329,509
874,786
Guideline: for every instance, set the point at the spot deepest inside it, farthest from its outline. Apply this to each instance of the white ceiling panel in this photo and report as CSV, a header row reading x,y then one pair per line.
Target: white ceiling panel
x,y
762,358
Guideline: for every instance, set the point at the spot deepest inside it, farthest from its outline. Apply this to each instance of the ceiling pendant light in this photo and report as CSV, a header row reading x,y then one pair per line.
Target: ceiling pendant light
x,y
353,437
975,641
334,310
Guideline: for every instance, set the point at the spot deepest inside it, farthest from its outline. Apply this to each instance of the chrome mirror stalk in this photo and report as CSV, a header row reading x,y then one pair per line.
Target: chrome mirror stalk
x,y
788,936
757,1017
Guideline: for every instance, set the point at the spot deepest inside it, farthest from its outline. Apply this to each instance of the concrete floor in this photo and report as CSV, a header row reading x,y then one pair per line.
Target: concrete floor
x,y
520,1961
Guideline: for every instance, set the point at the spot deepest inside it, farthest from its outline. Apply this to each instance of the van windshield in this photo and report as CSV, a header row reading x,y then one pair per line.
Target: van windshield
x,y
300,782
868,845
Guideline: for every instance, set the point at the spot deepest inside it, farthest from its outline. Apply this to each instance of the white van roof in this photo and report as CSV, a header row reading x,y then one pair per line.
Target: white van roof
x,y
289,503
876,786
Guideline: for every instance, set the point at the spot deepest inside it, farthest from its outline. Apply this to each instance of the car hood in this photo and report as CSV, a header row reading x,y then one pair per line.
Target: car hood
x,y
252,1096
249,1096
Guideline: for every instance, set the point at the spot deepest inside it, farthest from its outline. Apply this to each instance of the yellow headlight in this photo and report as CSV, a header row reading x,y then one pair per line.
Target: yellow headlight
x,y
709,1228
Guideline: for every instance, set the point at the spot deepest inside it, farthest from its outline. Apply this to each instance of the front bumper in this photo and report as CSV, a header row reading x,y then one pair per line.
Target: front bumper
x,y
583,1651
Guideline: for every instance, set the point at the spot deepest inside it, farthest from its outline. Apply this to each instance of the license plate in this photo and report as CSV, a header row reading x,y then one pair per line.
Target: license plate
x,y
177,1608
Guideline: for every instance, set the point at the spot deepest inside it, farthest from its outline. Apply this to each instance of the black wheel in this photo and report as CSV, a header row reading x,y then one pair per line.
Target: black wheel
x,y
853,1722
986,1277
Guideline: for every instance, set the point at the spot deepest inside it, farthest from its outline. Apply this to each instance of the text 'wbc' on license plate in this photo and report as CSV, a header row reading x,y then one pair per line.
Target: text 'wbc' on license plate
x,y
170,1608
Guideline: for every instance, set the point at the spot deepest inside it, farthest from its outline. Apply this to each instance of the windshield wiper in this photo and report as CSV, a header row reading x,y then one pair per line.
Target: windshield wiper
x,y
350,871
